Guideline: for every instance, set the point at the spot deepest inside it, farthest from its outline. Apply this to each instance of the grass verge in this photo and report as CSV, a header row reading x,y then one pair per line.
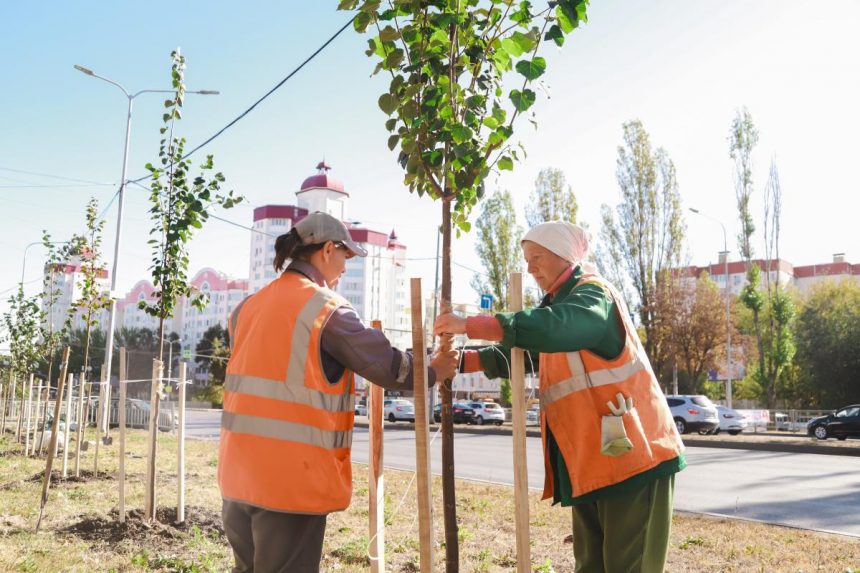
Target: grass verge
x,y
81,533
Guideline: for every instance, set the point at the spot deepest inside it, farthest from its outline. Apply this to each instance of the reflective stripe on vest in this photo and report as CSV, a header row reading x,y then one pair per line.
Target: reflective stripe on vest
x,y
289,392
282,430
582,380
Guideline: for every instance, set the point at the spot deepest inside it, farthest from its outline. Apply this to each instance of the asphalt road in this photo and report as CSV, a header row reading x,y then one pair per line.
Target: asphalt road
x,y
810,491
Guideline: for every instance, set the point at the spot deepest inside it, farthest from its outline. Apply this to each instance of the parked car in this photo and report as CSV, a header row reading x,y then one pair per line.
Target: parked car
x,y
462,414
361,408
693,414
731,421
487,413
841,424
398,409
533,416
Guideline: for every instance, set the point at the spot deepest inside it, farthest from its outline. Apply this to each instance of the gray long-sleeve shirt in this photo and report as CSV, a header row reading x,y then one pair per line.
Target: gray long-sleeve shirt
x,y
348,343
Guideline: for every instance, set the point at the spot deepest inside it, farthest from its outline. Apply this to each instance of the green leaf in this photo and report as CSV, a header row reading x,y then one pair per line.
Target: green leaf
x,y
491,122
555,34
388,103
506,163
347,4
392,141
389,34
567,18
501,60
523,100
394,58
362,21
532,69
518,44
461,133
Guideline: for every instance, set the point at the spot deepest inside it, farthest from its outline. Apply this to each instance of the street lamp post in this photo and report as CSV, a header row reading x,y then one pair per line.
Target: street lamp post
x,y
120,203
725,254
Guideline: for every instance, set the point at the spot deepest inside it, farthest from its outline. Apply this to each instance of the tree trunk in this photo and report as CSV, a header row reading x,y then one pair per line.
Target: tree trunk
x,y
449,498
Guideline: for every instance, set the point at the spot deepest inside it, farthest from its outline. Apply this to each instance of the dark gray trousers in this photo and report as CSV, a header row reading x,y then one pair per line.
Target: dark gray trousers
x,y
266,541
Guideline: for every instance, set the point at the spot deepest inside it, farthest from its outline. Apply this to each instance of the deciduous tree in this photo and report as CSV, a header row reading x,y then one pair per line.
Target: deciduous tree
x,y
552,199
642,237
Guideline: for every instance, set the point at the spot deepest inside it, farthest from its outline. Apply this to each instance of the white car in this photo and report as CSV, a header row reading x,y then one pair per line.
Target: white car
x,y
731,421
533,417
693,414
398,409
487,413
360,409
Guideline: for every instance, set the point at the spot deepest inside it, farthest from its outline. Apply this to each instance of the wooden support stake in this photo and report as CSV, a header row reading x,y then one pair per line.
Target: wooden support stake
x,y
376,489
70,385
52,447
46,396
121,416
5,397
18,411
36,415
151,502
82,395
521,476
99,419
29,413
422,431
180,502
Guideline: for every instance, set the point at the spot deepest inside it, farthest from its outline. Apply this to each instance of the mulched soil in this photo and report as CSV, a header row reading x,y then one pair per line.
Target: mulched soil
x,y
164,533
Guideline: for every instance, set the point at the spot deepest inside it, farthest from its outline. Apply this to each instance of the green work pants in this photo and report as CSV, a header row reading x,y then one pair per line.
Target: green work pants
x,y
626,533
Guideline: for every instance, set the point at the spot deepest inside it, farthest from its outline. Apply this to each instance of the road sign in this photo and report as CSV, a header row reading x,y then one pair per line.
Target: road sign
x,y
187,354
486,301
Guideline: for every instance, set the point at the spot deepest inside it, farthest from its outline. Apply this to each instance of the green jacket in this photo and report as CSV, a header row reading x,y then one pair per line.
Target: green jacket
x,y
576,318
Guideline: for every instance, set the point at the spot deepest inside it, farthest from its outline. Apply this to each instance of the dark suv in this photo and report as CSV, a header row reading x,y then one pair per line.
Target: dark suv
x,y
841,424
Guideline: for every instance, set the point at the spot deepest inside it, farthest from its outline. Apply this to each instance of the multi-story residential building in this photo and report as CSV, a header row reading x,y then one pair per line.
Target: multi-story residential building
x,y
375,285
788,275
807,276
67,279
224,295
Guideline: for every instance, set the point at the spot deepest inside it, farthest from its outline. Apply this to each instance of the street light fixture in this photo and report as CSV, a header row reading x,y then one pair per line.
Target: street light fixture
x,y
120,202
725,254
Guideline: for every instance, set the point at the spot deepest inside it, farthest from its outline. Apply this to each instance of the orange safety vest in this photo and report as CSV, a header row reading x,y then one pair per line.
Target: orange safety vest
x,y
286,431
574,390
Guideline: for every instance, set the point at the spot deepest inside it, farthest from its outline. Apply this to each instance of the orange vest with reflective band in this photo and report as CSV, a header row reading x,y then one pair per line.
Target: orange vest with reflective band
x,y
286,432
574,390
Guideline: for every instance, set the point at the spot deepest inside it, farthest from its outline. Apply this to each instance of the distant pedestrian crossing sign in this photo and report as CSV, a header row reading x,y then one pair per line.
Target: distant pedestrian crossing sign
x,y
486,301
186,354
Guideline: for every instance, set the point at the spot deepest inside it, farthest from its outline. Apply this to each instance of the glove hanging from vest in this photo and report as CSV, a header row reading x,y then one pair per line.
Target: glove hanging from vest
x,y
614,440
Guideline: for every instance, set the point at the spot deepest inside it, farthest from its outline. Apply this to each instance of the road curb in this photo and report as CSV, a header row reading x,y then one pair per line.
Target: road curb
x,y
813,448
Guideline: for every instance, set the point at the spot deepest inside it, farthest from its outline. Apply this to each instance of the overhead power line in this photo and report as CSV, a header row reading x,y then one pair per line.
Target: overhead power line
x,y
49,176
270,92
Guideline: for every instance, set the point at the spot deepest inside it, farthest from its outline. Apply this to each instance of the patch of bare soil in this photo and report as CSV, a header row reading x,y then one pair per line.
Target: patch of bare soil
x,y
57,477
164,533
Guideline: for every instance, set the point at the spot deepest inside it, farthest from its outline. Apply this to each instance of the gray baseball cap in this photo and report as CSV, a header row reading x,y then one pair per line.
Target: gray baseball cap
x,y
321,227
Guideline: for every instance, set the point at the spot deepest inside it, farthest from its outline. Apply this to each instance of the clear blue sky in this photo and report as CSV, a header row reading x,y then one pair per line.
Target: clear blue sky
x,y
681,67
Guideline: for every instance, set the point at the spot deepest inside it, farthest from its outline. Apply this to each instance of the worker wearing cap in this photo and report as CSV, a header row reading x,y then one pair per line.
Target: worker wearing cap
x,y
286,429
610,444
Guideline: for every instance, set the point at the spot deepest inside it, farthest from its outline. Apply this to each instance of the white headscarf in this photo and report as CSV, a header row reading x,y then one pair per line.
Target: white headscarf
x,y
568,241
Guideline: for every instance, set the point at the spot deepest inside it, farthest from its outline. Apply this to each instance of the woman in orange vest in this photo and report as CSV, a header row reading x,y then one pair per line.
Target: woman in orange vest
x,y
289,399
611,448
